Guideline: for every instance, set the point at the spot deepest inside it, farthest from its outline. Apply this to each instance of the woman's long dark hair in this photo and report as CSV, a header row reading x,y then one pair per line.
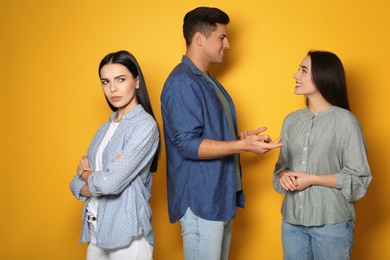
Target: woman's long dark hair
x,y
129,61
329,77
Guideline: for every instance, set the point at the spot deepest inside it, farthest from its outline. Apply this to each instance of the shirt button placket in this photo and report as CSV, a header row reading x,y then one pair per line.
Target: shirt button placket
x,y
306,145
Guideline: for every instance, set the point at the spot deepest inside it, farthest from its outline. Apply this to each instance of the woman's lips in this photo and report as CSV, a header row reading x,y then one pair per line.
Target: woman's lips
x,y
115,98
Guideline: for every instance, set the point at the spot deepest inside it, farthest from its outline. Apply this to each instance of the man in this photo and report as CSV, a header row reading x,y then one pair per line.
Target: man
x,y
202,144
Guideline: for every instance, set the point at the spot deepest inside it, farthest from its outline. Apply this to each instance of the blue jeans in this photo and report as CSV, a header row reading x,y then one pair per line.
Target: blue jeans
x,y
327,242
205,239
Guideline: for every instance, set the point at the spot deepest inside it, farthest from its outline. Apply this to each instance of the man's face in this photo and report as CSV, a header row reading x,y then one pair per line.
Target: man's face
x,y
214,47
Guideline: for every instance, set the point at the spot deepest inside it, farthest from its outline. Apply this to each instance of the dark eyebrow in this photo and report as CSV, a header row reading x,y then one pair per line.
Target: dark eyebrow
x,y
117,77
120,76
304,67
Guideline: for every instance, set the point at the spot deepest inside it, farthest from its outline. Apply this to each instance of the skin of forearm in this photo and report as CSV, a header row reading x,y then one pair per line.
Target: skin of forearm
x,y
324,180
302,180
85,191
213,149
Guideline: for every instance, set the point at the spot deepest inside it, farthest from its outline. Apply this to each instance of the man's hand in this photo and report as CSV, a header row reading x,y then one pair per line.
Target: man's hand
x,y
259,130
248,142
259,144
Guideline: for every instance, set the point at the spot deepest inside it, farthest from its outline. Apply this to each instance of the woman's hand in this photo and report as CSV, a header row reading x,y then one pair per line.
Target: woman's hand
x,y
295,180
305,180
302,179
287,181
83,168
83,164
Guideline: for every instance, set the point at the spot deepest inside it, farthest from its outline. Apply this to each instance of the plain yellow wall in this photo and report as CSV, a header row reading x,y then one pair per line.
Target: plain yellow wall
x,y
52,104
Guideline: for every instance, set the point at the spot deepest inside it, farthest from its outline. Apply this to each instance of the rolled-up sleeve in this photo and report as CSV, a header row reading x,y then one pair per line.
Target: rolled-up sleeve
x,y
355,176
137,154
183,112
75,186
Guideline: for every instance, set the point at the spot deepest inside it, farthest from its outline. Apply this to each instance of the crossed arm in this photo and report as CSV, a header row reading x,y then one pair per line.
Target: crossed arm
x,y
84,164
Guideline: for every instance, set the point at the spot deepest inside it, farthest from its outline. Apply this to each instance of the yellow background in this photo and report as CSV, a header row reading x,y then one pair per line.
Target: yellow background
x,y
52,104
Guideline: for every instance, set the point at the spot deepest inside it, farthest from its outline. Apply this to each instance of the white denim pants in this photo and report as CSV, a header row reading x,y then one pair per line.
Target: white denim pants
x,y
139,249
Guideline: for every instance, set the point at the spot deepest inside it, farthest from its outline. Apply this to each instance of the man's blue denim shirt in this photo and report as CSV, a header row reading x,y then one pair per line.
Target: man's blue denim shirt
x,y
192,112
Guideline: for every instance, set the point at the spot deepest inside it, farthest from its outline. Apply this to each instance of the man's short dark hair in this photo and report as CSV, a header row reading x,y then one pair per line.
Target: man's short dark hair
x,y
203,20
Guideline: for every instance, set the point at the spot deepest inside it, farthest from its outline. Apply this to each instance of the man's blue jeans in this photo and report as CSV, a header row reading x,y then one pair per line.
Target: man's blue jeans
x,y
205,239
325,242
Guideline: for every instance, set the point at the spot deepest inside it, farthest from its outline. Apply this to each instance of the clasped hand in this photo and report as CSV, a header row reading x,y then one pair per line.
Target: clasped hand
x,y
295,181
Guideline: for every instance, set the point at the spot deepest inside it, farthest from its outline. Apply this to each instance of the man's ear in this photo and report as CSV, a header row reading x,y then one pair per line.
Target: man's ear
x,y
198,38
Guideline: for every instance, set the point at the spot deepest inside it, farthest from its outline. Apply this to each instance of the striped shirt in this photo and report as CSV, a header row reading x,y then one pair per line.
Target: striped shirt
x,y
329,142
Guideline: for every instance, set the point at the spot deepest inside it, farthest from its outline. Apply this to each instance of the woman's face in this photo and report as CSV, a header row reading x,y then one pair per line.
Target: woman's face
x,y
304,84
119,86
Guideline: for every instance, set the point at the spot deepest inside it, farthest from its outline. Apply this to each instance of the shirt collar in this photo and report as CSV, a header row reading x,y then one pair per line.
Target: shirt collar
x,y
309,113
130,114
191,65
